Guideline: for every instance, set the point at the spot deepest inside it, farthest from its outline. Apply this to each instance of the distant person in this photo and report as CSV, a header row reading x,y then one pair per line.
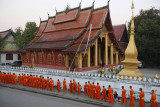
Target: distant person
x,y
110,94
64,85
116,96
141,102
98,94
70,86
85,88
153,100
51,84
123,100
104,93
58,85
132,101
79,88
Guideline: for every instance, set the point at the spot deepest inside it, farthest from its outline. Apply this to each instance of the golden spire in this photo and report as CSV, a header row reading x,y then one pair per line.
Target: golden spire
x,y
131,62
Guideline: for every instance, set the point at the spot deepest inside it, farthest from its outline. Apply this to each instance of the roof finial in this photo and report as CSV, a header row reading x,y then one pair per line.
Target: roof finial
x,y
132,7
48,14
56,10
80,3
93,3
40,18
108,2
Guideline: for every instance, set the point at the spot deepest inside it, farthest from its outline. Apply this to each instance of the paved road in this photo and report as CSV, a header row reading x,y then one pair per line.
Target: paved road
x,y
17,98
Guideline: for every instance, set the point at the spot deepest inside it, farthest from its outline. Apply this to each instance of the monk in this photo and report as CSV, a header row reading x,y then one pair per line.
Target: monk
x,y
79,88
36,79
47,83
9,77
64,85
104,93
85,88
51,84
132,102
24,80
123,100
98,94
27,79
89,88
93,91
58,85
110,94
74,89
141,102
43,83
70,86
153,100
15,78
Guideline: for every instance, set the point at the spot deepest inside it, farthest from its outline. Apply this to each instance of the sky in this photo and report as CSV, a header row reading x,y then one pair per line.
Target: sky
x,y
15,13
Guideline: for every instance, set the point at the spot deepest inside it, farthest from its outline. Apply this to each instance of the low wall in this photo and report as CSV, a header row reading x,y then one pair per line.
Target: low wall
x,y
105,80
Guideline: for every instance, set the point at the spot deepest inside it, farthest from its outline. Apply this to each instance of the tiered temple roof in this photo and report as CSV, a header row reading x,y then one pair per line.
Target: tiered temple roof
x,y
68,29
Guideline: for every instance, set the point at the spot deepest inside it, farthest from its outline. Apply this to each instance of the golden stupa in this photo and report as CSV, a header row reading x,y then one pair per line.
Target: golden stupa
x,y
131,62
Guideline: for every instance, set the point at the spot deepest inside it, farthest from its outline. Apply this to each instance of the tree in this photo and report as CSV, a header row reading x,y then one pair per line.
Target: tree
x,y
1,43
147,36
24,37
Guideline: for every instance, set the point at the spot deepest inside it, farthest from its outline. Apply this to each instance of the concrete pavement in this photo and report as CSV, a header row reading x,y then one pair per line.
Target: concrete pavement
x,y
63,95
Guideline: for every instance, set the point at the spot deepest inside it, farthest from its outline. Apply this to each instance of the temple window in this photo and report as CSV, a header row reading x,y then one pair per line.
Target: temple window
x,y
59,59
49,59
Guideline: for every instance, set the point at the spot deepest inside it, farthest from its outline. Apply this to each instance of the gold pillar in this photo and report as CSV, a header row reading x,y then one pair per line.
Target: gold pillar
x,y
95,55
66,60
80,60
111,53
89,58
99,54
106,49
116,57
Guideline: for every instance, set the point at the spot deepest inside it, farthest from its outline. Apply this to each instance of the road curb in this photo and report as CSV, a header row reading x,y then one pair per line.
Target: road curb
x,y
56,95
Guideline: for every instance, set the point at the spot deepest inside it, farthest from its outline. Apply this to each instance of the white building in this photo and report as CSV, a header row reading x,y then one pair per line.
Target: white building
x,y
9,52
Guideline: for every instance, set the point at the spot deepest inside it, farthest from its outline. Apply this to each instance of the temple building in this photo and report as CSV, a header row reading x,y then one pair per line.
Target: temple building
x,y
9,53
77,39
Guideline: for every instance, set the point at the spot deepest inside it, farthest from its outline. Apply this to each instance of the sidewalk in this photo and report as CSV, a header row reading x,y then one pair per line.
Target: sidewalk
x,y
67,95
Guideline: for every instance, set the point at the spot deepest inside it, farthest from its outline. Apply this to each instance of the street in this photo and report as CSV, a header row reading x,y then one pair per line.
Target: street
x,y
17,98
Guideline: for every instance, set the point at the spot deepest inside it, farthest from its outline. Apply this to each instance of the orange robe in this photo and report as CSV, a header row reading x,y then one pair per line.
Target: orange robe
x,y
98,94
123,100
85,89
43,83
132,102
9,78
24,80
15,79
104,94
64,85
19,79
47,81
74,87
110,94
93,91
36,79
27,80
58,86
79,88
141,102
70,86
153,101
89,89
51,85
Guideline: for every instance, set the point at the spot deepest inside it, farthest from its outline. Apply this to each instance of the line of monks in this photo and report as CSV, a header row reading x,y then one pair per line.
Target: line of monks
x,y
91,90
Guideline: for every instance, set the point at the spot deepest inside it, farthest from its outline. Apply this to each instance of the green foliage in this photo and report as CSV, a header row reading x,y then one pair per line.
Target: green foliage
x,y
147,36
1,43
24,37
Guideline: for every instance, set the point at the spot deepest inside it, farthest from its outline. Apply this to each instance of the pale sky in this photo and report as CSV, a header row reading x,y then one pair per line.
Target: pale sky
x,y
15,13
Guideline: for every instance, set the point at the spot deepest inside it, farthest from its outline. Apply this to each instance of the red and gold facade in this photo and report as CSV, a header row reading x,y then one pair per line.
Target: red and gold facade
x,y
61,42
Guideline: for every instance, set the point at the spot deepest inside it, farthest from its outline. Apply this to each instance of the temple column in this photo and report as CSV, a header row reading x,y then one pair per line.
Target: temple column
x,y
106,49
89,58
99,54
116,57
95,51
111,53
80,60
66,60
